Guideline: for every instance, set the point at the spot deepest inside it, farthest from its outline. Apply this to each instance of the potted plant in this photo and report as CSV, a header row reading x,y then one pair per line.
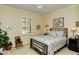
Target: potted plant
x,y
3,39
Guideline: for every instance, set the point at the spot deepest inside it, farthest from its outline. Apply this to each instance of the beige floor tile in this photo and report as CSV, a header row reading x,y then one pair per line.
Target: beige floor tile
x,y
25,50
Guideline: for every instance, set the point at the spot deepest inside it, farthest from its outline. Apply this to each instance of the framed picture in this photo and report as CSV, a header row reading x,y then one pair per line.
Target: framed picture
x,y
77,23
38,27
58,22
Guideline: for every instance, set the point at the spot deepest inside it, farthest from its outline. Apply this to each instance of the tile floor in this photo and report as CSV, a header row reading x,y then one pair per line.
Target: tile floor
x,y
27,51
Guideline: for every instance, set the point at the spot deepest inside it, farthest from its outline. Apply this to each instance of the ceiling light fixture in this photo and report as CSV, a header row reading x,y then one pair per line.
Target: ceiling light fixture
x,y
39,7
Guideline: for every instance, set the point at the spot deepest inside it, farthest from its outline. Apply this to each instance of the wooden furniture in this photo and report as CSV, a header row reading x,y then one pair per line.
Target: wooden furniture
x,y
45,33
8,46
18,42
1,54
74,44
41,47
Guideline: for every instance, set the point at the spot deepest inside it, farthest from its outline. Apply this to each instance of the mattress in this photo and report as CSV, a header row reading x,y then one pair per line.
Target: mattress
x,y
53,43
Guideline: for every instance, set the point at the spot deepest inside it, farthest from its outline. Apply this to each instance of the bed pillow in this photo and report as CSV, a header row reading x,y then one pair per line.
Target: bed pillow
x,y
59,33
52,33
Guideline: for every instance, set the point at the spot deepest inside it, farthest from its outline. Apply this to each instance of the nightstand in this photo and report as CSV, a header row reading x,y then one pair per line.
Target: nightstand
x,y
73,44
45,33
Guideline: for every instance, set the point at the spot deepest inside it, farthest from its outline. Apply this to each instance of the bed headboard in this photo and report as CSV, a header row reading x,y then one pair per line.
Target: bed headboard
x,y
65,30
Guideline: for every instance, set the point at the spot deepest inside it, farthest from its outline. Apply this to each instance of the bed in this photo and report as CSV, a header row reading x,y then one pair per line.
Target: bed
x,y
49,44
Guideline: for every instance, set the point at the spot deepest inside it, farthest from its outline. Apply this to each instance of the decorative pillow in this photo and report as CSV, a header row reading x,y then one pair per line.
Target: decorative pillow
x,y
52,33
59,33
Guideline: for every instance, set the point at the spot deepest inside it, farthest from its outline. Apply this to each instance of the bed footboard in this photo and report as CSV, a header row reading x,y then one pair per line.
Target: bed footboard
x,y
39,47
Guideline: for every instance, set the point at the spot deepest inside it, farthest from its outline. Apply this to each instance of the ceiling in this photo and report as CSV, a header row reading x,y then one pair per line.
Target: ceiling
x,y
46,8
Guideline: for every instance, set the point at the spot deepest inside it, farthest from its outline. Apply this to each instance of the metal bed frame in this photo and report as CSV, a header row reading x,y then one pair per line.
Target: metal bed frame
x,y
42,48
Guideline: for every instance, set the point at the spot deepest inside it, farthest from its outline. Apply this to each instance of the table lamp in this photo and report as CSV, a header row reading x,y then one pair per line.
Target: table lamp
x,y
47,28
73,30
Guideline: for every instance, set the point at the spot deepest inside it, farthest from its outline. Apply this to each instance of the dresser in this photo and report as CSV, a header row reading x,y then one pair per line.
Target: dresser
x,y
73,44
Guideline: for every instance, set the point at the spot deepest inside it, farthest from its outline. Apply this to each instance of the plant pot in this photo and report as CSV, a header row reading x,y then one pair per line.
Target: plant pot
x,y
1,49
8,46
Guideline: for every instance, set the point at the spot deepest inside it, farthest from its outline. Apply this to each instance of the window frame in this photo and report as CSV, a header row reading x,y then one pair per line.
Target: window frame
x,y
25,19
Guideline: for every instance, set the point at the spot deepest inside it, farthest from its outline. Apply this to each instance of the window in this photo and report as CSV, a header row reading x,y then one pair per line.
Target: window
x,y
26,25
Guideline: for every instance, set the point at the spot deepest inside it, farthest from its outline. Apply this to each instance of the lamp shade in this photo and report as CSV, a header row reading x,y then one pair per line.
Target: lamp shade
x,y
47,28
73,29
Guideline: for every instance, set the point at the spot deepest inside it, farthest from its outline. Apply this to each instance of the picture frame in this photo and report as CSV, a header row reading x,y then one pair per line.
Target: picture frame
x,y
77,23
38,27
58,22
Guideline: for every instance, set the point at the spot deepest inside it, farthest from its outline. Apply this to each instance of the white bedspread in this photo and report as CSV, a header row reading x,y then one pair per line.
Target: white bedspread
x,y
54,43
